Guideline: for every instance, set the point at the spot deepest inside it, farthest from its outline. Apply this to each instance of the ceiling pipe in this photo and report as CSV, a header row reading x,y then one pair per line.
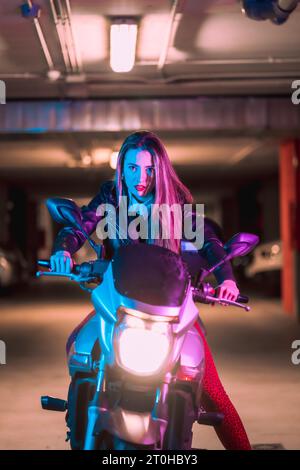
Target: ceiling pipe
x,y
77,56
169,30
41,37
104,77
246,151
63,23
59,30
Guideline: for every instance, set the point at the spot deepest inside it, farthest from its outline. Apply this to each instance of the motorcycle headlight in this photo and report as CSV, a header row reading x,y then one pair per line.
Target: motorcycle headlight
x,y
143,346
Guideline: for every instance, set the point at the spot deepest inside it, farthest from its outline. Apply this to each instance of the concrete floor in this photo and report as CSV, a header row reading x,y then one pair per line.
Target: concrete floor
x,y
252,352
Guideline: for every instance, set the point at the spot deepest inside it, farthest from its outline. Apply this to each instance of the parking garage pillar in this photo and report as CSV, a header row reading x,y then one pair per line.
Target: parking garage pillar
x,y
3,214
289,168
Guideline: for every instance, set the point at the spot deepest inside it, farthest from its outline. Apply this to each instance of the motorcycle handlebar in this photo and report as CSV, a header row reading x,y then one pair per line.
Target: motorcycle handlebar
x,y
242,299
46,264
207,297
92,268
97,268
199,297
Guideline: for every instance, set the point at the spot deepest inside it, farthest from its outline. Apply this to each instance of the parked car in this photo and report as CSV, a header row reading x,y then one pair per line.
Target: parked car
x,y
266,257
265,268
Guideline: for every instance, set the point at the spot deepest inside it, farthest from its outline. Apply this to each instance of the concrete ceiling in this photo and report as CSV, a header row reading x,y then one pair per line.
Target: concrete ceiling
x,y
69,151
213,49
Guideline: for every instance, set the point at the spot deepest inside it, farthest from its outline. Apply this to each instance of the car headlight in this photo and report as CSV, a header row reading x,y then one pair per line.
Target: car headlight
x,y
143,347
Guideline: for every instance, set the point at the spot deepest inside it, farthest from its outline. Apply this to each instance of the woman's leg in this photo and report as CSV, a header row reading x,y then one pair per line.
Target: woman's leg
x,y
231,432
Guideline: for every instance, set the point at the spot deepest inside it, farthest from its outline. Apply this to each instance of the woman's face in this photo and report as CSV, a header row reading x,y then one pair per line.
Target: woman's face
x,y
138,173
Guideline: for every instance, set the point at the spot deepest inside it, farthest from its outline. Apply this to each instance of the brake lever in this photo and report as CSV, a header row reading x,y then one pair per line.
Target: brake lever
x,y
74,277
52,273
226,301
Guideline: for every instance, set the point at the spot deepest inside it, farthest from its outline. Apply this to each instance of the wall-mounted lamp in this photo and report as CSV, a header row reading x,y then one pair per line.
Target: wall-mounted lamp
x,y
87,160
53,75
113,160
123,35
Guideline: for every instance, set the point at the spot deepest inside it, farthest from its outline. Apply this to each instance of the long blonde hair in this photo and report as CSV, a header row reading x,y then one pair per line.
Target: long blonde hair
x,y
168,188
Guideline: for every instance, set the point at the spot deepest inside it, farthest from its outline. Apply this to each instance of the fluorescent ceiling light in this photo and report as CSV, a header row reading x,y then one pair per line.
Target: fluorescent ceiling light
x,y
122,46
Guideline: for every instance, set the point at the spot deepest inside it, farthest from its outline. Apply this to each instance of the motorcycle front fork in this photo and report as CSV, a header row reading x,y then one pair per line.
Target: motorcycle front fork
x,y
160,411
161,407
93,408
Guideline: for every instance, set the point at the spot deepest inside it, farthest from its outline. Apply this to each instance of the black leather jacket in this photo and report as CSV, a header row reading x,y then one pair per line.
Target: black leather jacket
x,y
70,239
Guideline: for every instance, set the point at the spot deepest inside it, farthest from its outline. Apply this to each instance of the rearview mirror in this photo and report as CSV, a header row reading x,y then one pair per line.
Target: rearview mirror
x,y
240,244
64,211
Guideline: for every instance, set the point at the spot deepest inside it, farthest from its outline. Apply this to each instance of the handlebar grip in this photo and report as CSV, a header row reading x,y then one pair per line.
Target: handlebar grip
x,y
200,297
242,299
46,264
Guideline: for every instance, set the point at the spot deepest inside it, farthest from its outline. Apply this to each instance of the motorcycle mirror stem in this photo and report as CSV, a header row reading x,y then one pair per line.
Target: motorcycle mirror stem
x,y
66,212
206,272
96,248
239,245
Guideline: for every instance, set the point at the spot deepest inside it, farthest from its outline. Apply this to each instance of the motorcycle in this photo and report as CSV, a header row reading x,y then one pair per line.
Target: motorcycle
x,y
137,363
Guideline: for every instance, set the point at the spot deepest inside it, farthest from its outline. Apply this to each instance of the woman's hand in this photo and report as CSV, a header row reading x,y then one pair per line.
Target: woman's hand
x,y
61,262
228,290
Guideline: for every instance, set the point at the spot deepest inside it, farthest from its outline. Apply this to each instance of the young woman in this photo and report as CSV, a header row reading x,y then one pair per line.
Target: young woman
x,y
145,175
